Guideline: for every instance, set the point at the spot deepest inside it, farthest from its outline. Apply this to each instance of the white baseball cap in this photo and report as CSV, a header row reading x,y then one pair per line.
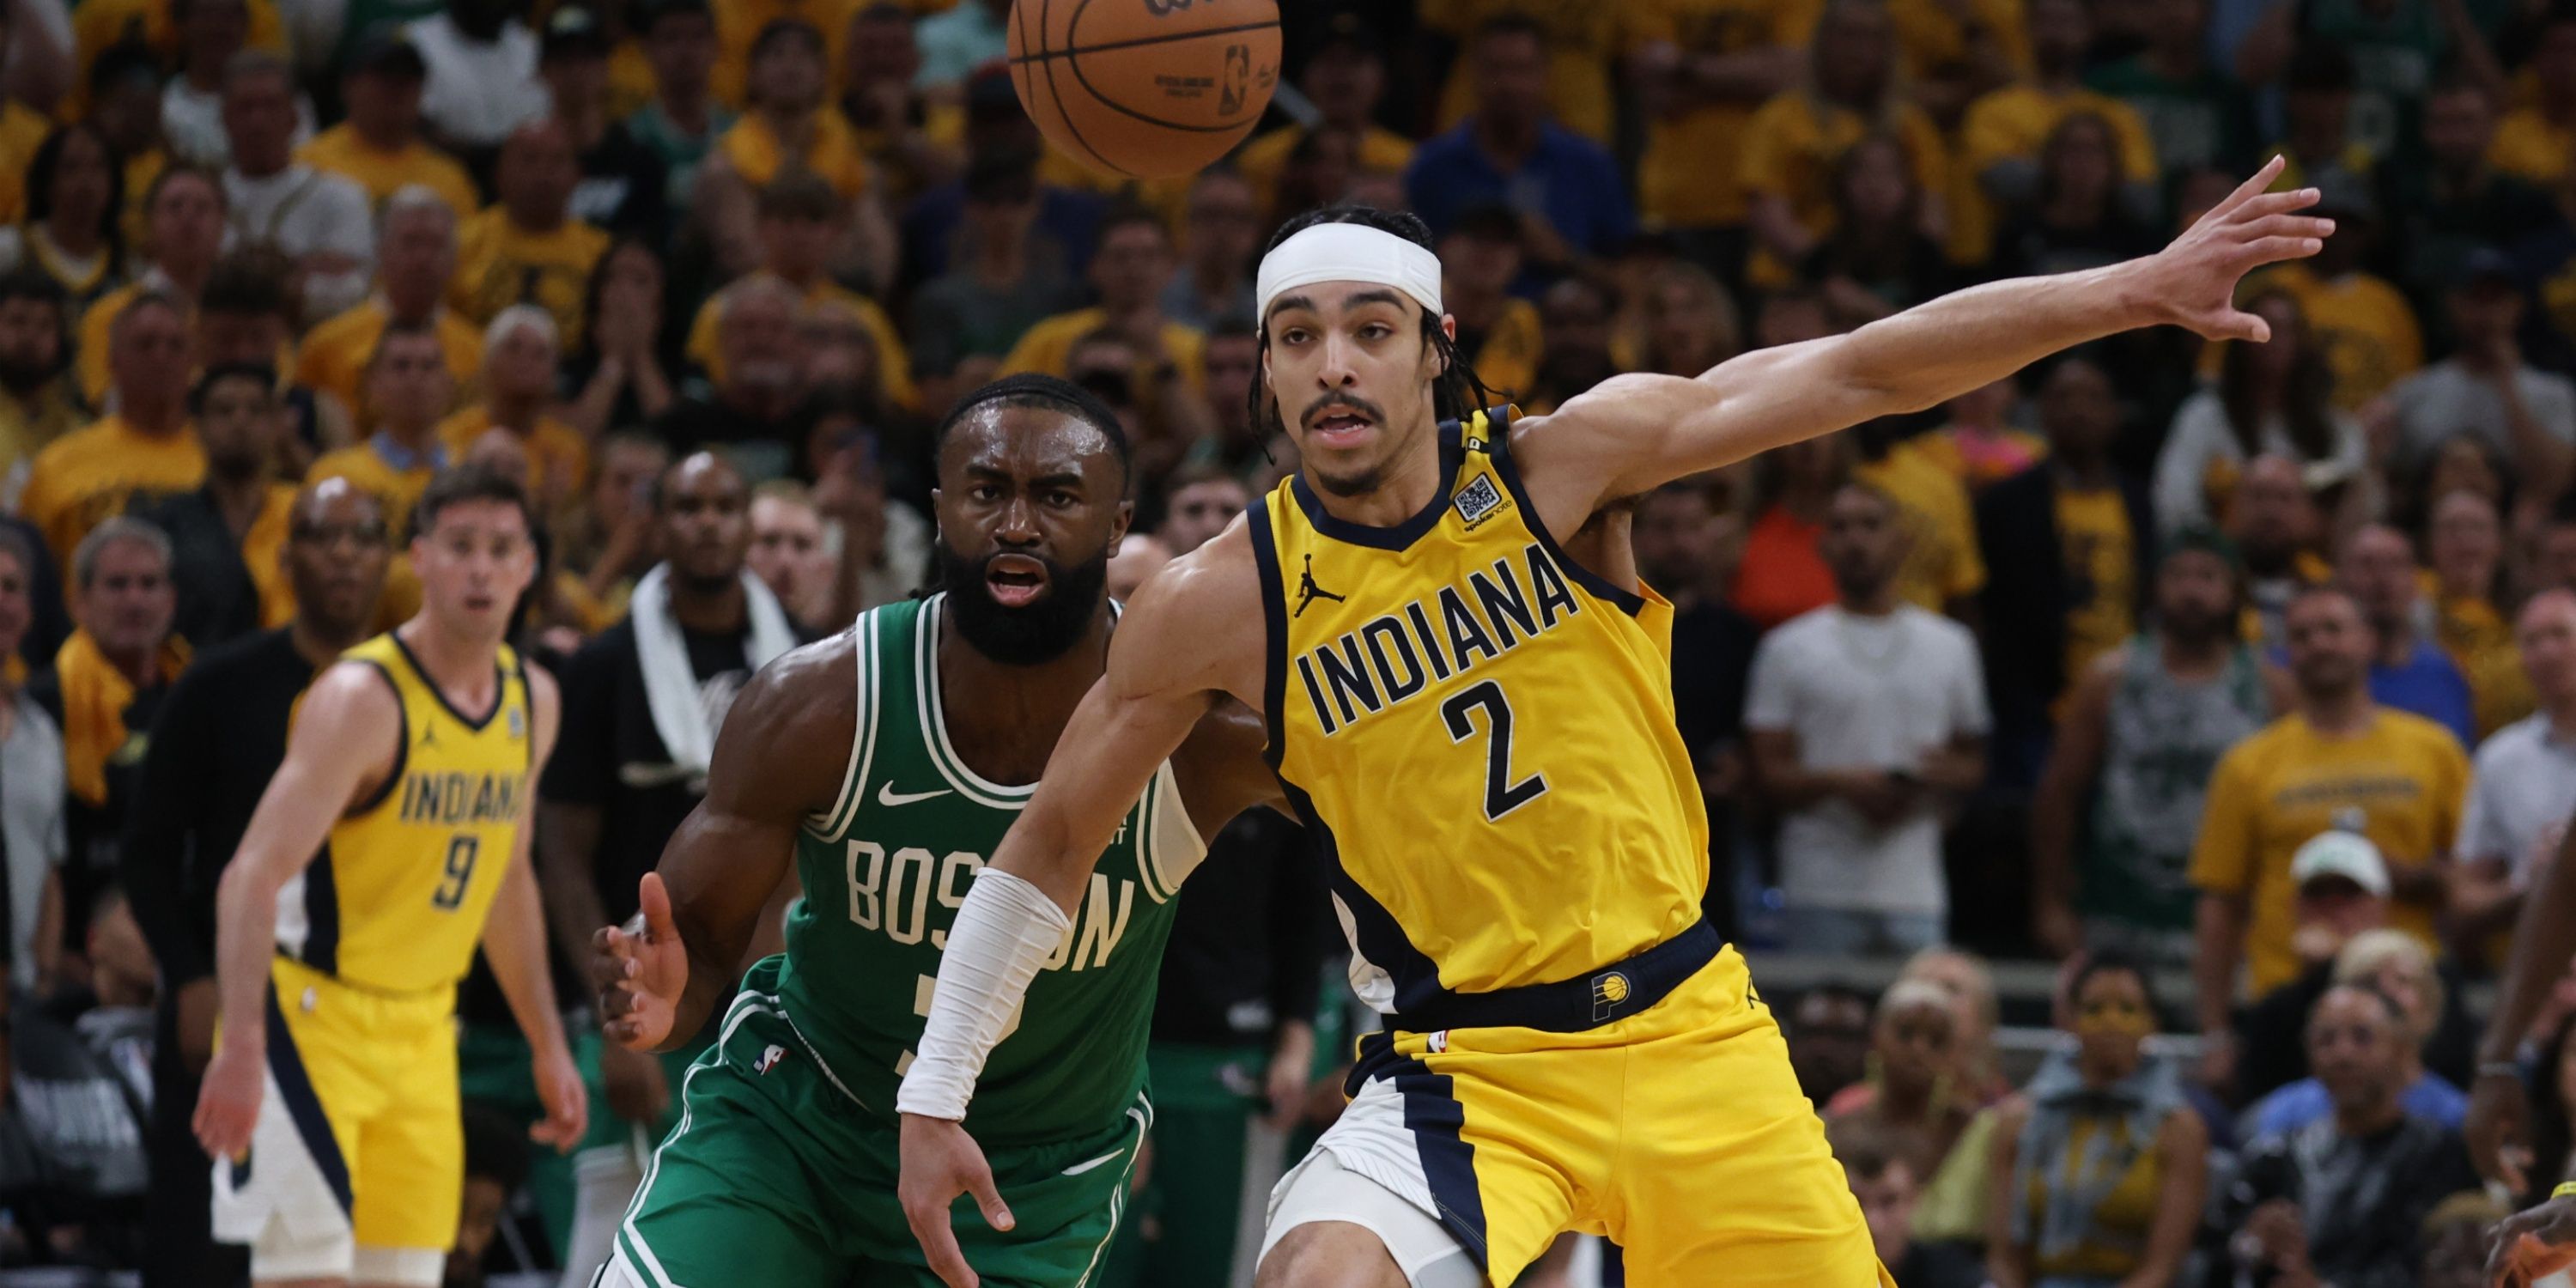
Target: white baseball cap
x,y
2349,855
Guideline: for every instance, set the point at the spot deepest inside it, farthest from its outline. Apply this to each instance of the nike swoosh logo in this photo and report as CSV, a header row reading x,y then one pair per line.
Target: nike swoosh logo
x,y
889,797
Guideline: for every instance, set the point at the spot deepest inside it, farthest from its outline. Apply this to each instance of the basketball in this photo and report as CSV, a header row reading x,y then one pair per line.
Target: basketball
x,y
1144,89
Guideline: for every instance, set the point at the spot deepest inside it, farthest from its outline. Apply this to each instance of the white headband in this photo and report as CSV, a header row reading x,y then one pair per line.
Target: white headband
x,y
1349,253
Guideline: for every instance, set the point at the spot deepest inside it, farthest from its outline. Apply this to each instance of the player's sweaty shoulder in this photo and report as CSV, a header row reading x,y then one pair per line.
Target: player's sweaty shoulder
x,y
786,741
1196,625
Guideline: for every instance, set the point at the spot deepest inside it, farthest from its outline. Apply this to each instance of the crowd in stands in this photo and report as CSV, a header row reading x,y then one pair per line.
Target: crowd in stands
x,y
2239,672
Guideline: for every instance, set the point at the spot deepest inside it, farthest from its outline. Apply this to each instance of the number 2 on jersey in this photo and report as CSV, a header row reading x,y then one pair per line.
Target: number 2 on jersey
x,y
461,853
1502,795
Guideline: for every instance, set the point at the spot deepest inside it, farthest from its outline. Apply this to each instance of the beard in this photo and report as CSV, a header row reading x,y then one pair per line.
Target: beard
x,y
19,373
1039,632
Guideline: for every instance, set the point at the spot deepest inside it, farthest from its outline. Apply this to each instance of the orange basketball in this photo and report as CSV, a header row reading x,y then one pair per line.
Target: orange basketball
x,y
1145,89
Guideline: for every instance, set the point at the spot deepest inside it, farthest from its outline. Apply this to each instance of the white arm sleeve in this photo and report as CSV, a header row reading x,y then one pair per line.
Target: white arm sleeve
x,y
1004,932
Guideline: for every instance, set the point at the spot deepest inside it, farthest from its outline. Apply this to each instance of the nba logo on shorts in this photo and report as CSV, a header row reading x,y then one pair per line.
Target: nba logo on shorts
x,y
769,1059
1437,1042
1478,499
1609,989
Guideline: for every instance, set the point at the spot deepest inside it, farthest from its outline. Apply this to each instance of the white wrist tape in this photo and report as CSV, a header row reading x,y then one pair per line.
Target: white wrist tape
x,y
1004,932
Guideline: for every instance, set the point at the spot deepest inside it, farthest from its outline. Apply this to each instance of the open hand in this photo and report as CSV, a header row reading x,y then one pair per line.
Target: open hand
x,y
940,1162
2192,282
640,969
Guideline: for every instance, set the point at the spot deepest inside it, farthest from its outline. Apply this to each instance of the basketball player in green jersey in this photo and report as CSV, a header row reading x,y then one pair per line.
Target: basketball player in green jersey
x,y
887,761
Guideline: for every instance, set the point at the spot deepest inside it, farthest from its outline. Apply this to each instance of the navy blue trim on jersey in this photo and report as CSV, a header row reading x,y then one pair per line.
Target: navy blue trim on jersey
x,y
1434,1116
303,1107
1379,936
321,915
500,687
1498,450
1587,1001
402,744
1274,620
1453,454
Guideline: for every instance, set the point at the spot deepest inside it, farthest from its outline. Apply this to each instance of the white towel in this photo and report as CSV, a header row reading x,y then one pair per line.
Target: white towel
x,y
671,684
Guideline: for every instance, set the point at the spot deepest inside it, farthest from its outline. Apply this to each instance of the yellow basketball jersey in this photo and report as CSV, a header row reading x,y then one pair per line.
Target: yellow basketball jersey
x,y
396,899
1479,733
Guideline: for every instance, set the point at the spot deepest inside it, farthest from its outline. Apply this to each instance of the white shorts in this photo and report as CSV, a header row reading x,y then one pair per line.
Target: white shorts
x,y
1367,1171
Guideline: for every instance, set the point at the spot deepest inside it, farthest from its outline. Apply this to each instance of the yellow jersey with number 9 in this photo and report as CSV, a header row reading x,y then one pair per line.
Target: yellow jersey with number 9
x,y
1479,733
395,901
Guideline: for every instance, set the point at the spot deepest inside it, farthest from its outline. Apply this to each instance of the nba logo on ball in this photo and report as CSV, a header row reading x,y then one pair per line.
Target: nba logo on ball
x,y
1609,989
1144,89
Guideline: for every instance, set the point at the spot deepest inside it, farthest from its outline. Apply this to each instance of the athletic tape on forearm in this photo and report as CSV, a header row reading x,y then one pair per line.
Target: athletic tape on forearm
x,y
1004,932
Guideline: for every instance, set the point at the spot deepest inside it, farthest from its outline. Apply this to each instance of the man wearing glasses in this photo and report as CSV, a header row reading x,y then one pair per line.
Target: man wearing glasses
x,y
220,735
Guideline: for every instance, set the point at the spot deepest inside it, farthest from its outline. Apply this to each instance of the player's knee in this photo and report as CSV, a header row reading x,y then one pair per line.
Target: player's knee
x,y
1329,1254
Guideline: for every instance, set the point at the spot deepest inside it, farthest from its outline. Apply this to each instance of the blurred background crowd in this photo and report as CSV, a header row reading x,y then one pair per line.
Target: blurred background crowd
x,y
2223,697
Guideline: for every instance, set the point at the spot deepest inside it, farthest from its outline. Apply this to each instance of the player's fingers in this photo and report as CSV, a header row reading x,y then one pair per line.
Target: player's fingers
x,y
2272,250
997,1214
2288,225
656,905
939,1247
2276,203
2245,191
2236,325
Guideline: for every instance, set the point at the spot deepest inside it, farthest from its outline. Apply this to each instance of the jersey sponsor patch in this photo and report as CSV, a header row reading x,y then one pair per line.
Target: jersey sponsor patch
x,y
1479,501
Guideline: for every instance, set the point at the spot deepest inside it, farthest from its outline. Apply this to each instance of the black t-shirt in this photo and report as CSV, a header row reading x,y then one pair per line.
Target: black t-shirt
x,y
622,188
1247,946
217,600
221,736
609,755
93,831
2362,1198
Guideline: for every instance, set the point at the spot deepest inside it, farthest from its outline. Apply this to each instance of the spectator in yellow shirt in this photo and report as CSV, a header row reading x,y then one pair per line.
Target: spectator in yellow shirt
x,y
146,450
1497,333
1704,67
527,248
743,25
415,259
75,212
800,221
1954,50
2337,762
379,147
187,209
408,390
1130,270
788,124
1344,79
2001,140
1795,139
519,353
2534,140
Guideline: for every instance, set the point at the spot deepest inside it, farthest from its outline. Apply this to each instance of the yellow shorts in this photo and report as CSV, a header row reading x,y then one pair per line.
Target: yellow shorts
x,y
357,1165
1678,1132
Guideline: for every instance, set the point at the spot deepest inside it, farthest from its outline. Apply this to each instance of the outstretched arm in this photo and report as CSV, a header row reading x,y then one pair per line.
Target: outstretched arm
x,y
344,737
780,757
1636,432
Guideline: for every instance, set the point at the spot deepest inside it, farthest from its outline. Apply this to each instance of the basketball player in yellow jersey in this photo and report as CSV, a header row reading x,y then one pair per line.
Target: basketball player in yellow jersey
x,y
1477,730
390,843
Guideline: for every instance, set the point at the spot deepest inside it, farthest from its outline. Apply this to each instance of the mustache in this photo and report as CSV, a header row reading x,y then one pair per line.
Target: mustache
x,y
1341,402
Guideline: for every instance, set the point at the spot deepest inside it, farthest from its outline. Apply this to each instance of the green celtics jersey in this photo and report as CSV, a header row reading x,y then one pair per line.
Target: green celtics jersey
x,y
884,872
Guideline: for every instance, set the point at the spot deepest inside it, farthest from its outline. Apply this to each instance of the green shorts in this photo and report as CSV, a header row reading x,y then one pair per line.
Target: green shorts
x,y
776,1177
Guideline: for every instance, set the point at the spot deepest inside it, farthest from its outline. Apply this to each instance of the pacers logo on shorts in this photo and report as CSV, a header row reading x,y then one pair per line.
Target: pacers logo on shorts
x,y
1609,989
